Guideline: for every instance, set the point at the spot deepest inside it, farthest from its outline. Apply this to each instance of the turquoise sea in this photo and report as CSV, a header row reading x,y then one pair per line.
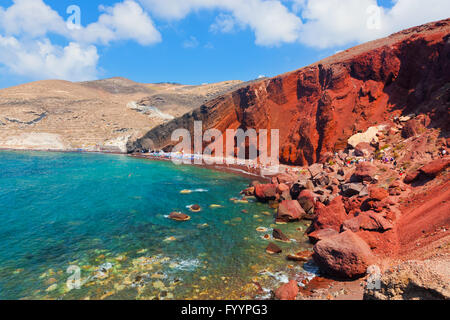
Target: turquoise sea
x,y
102,219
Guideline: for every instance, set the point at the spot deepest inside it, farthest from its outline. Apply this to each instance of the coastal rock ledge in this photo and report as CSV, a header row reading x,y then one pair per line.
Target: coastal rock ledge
x,y
411,280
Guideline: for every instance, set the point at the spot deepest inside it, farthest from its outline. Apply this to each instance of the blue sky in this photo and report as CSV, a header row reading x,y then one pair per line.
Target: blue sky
x,y
190,41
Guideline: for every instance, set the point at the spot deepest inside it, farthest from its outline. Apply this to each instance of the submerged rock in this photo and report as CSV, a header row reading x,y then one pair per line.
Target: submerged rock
x,y
272,248
300,256
279,235
195,208
178,216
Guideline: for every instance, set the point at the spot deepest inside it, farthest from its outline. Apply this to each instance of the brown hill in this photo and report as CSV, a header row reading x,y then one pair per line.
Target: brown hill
x,y
317,108
94,116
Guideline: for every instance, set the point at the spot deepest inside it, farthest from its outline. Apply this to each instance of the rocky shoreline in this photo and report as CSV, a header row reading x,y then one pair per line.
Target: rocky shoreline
x,y
356,202
360,227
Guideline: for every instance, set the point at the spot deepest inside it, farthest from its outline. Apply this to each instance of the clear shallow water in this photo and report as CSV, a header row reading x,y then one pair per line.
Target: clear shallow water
x,y
107,215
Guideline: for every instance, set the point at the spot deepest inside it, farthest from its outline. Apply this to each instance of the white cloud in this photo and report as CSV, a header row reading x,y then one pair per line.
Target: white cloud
x,y
40,59
224,23
316,23
124,21
270,20
31,17
27,25
331,23
25,48
410,13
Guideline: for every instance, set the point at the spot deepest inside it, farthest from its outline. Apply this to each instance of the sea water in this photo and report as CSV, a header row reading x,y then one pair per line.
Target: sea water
x,y
95,226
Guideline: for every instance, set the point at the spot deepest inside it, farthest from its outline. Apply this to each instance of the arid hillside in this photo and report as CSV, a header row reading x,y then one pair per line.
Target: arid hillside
x,y
94,116
317,108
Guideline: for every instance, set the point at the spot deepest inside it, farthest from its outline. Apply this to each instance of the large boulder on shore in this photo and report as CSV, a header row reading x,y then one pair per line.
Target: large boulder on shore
x,y
369,221
266,192
290,210
315,169
344,255
329,217
307,201
287,291
286,178
321,234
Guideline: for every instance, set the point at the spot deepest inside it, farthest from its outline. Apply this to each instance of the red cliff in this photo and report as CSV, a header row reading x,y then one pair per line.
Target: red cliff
x,y
317,108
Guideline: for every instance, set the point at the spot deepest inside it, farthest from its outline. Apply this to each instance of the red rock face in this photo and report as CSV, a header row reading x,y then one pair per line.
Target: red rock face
x,y
317,108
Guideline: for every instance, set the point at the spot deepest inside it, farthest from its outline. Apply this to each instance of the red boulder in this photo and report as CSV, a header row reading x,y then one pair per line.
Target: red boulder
x,y
307,201
321,234
331,216
435,167
344,255
287,291
369,221
290,210
365,171
266,192
378,194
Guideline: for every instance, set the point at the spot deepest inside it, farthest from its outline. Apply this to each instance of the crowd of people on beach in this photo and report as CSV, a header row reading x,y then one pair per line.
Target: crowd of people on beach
x,y
254,167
